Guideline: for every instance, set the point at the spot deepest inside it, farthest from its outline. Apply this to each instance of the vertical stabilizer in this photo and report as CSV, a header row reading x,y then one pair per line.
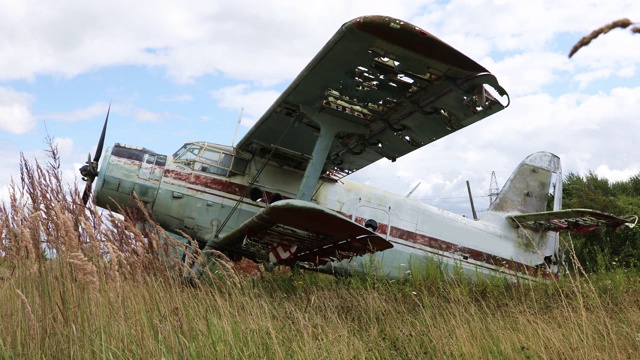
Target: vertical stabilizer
x,y
527,190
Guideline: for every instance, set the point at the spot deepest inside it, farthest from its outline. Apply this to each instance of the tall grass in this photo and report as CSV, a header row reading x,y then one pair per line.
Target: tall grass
x,y
75,283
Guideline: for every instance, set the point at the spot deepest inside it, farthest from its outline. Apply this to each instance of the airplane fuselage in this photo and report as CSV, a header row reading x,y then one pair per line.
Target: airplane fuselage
x,y
207,199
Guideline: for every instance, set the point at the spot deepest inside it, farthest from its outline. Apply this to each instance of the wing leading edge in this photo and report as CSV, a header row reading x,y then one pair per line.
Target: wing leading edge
x,y
580,220
390,86
291,231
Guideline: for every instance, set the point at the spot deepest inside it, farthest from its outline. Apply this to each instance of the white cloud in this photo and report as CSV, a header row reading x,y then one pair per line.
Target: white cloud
x,y
64,146
186,39
529,72
616,174
254,102
152,116
587,77
99,111
15,111
92,111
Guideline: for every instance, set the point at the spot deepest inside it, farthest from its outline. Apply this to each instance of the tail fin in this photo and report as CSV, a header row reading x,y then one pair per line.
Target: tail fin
x,y
527,190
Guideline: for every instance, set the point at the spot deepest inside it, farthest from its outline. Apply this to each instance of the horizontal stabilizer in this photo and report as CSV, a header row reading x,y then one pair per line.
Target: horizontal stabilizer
x,y
580,220
291,231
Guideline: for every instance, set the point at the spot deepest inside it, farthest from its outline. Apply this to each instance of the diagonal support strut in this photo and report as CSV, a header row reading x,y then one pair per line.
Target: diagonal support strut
x,y
329,127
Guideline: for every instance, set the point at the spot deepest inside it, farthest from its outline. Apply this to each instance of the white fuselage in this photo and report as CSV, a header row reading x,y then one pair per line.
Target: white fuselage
x,y
203,205
419,232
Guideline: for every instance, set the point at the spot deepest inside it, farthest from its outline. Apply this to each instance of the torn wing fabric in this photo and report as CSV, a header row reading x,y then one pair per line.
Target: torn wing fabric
x,y
580,220
291,231
393,87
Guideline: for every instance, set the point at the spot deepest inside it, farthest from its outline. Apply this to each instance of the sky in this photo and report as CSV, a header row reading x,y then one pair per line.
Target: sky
x,y
179,71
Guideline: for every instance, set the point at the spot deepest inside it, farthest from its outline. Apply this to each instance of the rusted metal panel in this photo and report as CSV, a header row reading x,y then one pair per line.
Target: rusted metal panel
x,y
413,39
207,181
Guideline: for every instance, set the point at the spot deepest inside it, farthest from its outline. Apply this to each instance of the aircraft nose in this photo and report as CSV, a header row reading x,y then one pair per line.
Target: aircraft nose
x,y
129,170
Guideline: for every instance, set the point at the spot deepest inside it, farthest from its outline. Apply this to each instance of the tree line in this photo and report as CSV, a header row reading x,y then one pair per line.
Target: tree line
x,y
604,249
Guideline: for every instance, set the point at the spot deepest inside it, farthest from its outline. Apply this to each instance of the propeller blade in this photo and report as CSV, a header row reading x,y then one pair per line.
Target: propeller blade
x,y
86,194
101,141
90,171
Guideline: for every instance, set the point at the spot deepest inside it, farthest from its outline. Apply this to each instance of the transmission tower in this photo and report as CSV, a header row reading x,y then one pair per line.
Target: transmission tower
x,y
493,188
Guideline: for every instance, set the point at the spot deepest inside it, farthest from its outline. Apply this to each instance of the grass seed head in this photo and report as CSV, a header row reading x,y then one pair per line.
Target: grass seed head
x,y
622,24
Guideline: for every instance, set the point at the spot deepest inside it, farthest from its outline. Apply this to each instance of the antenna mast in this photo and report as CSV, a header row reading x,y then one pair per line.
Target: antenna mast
x,y
233,144
473,208
414,189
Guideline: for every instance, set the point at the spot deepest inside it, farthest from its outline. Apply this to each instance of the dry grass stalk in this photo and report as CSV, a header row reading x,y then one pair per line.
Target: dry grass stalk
x,y
622,24
84,270
27,310
44,220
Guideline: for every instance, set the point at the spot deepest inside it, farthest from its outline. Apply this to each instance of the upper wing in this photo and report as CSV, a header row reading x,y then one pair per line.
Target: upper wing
x,y
399,86
580,220
291,231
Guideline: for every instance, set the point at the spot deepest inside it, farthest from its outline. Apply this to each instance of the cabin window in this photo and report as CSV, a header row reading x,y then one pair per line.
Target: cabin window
x,y
239,166
213,169
211,155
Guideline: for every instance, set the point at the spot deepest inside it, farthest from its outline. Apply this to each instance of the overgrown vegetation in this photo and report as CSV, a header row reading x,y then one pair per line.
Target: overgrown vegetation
x,y
605,249
73,287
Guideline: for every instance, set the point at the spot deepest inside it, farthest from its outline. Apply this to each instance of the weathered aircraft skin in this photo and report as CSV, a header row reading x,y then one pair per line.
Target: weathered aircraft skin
x,y
380,88
196,203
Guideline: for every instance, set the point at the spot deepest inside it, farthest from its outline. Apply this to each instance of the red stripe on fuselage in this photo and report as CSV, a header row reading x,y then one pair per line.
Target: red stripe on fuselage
x,y
472,254
454,250
208,182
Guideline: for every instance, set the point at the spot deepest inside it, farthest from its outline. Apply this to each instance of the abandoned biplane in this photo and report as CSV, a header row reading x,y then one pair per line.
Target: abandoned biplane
x,y
380,88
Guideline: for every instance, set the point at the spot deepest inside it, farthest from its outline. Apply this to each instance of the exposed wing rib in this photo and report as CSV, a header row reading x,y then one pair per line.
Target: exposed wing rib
x,y
396,85
299,231
580,220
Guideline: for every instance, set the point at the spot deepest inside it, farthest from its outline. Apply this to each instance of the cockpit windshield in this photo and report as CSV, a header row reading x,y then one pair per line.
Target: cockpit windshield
x,y
211,158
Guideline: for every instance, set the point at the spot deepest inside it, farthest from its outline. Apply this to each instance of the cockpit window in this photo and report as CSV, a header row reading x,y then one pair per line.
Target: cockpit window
x,y
182,149
211,158
192,152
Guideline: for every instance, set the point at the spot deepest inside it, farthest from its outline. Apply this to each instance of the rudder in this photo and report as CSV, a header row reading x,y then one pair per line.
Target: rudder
x,y
527,190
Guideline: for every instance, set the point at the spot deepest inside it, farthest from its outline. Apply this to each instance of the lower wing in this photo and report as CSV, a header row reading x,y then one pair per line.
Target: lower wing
x,y
291,231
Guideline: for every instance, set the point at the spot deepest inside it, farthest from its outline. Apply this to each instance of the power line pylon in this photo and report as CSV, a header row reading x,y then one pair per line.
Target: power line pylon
x,y
493,188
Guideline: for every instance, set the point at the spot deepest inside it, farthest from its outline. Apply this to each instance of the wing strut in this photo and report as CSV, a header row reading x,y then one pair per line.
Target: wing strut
x,y
246,191
329,127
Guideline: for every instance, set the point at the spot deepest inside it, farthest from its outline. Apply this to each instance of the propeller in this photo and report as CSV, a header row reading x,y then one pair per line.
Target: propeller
x,y
89,170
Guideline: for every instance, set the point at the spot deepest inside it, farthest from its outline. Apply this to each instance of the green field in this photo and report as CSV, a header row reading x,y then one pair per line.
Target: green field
x,y
64,308
78,284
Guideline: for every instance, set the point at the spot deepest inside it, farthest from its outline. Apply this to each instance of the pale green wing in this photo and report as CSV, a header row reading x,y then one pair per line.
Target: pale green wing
x,y
396,86
291,231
